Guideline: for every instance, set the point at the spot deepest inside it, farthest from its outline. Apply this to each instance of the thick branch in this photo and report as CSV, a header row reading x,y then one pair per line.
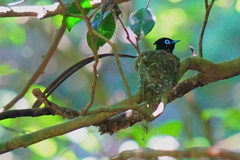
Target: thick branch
x,y
208,72
53,131
39,11
147,153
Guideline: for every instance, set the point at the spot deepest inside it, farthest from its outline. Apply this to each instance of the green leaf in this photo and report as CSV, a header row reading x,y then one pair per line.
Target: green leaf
x,y
232,118
142,22
97,21
45,149
73,9
172,128
213,112
70,21
106,28
6,69
197,142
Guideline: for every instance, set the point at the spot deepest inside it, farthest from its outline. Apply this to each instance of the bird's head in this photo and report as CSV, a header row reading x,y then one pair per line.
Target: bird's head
x,y
165,44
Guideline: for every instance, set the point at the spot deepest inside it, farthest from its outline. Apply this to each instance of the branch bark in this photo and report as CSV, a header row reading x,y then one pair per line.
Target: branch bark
x,y
148,153
53,131
40,11
208,72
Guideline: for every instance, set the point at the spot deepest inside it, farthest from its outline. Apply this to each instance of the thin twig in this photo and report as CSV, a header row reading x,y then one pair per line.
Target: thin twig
x,y
94,12
13,129
62,5
206,4
39,11
193,51
148,3
114,48
95,54
40,68
129,39
61,111
16,3
93,33
192,153
208,9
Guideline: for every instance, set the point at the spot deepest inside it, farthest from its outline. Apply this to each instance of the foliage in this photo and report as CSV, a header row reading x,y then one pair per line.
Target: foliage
x,y
24,41
105,26
71,21
141,22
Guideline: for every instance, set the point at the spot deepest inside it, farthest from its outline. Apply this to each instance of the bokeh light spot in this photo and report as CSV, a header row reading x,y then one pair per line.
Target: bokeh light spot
x,y
198,142
78,135
128,145
45,149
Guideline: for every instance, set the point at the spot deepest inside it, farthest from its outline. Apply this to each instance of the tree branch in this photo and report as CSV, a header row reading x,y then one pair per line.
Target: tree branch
x,y
208,72
148,153
95,54
40,11
53,131
208,10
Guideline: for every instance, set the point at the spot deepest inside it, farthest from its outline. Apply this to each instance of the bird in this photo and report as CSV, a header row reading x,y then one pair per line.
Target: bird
x,y
152,62
166,44
157,71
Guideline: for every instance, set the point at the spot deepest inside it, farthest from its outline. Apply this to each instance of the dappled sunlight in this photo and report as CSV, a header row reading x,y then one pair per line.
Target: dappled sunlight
x,y
6,96
36,47
236,94
52,66
116,97
171,20
83,47
22,20
237,7
27,52
65,44
8,156
22,104
163,143
175,1
128,145
94,158
159,109
45,149
226,4
78,135
231,143
89,67
123,35
197,142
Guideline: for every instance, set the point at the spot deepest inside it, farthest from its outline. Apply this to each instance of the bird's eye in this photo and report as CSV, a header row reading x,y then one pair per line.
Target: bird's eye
x,y
167,41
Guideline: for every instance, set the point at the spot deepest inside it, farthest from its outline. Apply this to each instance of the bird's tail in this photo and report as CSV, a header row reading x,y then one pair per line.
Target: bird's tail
x,y
71,70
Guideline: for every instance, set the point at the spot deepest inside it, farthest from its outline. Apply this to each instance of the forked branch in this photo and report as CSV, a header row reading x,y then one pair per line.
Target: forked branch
x,y
208,10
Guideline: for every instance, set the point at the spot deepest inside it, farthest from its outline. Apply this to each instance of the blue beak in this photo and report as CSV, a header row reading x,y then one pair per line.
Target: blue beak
x,y
175,41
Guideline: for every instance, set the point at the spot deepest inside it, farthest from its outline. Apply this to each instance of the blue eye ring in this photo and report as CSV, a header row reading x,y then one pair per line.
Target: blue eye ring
x,y
167,41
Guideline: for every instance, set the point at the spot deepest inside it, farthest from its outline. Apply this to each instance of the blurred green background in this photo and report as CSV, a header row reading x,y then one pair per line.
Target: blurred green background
x,y
204,117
